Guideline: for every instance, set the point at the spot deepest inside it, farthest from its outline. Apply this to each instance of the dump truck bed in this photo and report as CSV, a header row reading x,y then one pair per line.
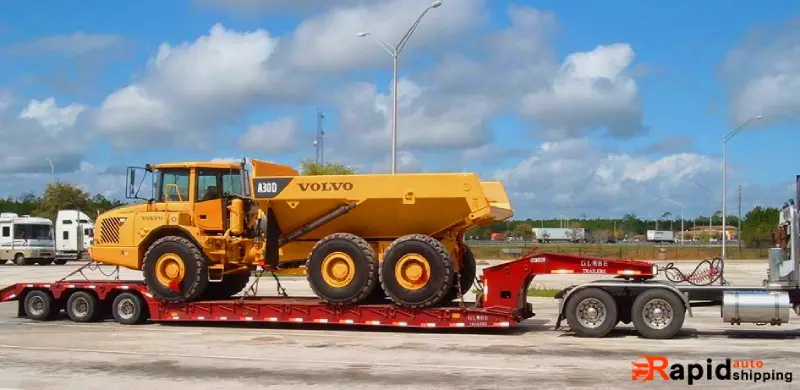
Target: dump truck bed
x,y
385,206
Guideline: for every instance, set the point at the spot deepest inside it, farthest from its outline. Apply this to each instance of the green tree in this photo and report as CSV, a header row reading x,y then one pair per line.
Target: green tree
x,y
60,196
524,231
308,168
759,224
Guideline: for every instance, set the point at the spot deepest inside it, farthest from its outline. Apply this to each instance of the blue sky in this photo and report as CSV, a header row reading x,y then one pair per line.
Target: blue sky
x,y
579,107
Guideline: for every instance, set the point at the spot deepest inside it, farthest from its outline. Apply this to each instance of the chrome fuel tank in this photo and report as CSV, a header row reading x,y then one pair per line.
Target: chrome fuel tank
x,y
769,307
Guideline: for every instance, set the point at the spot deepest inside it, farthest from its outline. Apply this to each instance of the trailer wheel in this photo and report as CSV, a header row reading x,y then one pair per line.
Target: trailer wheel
x,y
466,275
230,285
40,306
128,309
20,259
342,269
83,307
175,269
591,312
658,314
416,271
60,261
44,261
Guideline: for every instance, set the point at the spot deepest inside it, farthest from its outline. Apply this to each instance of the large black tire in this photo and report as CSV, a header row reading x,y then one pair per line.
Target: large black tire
x,y
40,306
3,261
84,307
129,309
361,280
44,261
195,275
436,285
60,261
466,276
669,309
230,285
20,259
598,312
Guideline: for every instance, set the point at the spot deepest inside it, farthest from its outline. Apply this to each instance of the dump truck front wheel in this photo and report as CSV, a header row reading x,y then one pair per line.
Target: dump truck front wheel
x,y
416,271
175,270
342,269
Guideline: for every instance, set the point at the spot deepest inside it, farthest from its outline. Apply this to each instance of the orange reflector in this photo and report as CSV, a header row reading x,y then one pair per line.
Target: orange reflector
x,y
561,271
629,272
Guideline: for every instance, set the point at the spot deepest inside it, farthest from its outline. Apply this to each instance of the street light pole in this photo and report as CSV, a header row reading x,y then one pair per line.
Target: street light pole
x,y
394,51
725,179
52,172
679,204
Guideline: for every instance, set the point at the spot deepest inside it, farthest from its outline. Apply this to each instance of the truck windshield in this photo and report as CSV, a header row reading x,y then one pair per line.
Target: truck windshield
x,y
32,232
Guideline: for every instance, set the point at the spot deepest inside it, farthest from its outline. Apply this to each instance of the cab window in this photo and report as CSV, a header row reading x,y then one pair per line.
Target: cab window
x,y
207,185
179,177
232,183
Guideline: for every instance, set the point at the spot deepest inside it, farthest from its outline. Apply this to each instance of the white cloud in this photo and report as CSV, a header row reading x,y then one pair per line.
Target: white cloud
x,y
74,44
763,76
329,42
407,162
574,176
195,87
50,116
590,90
41,130
271,137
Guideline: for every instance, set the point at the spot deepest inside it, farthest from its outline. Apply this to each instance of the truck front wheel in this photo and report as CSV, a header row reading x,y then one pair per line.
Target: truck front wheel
x,y
175,269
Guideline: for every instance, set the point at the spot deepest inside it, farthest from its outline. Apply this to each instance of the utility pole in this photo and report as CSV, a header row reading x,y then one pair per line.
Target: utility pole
x,y
320,159
739,228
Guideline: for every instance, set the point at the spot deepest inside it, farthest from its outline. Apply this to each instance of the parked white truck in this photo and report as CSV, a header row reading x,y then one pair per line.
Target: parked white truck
x,y
26,240
74,235
660,236
547,235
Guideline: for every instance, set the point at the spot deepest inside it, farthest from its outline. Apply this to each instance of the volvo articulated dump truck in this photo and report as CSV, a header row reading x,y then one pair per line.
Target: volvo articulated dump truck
x,y
357,237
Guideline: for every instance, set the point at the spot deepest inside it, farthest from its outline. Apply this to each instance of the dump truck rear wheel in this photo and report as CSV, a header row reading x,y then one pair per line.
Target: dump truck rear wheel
x,y
175,270
466,276
416,271
342,269
230,285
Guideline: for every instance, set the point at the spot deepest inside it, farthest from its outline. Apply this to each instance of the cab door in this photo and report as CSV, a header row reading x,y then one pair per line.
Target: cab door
x,y
208,207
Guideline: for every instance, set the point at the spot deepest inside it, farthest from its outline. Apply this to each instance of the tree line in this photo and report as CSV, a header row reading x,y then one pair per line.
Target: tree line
x,y
758,226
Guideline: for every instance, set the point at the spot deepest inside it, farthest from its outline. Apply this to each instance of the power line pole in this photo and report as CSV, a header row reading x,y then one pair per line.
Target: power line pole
x,y
739,227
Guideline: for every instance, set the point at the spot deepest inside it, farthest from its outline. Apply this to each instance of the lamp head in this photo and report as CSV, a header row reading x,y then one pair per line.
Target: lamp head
x,y
363,34
436,4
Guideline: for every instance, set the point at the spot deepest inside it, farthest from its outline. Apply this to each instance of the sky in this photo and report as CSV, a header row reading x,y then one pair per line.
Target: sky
x,y
582,109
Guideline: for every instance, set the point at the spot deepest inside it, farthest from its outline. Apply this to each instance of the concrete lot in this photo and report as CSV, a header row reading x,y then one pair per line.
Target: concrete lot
x,y
63,355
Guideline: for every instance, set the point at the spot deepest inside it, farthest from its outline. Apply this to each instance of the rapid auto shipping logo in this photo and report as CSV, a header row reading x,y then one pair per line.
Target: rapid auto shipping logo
x,y
655,367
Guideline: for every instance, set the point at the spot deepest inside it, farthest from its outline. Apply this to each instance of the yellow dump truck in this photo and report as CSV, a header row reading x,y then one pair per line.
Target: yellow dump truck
x,y
356,237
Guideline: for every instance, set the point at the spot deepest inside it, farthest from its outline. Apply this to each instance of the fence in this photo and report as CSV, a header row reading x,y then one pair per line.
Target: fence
x,y
639,252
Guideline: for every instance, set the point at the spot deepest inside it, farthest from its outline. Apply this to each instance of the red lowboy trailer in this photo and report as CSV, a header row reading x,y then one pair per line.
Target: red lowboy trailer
x,y
500,302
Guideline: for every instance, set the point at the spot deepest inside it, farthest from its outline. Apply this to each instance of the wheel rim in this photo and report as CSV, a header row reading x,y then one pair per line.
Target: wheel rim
x,y
338,269
80,307
126,309
591,313
657,313
412,271
169,269
36,306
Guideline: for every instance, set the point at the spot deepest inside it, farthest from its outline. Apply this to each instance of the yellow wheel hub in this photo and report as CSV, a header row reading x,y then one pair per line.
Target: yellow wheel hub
x,y
412,271
338,269
170,269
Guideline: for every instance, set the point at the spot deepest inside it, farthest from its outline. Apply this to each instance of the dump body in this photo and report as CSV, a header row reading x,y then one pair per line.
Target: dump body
x,y
387,206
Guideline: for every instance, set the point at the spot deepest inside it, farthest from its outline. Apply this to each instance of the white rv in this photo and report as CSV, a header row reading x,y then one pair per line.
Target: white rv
x,y
26,240
74,235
